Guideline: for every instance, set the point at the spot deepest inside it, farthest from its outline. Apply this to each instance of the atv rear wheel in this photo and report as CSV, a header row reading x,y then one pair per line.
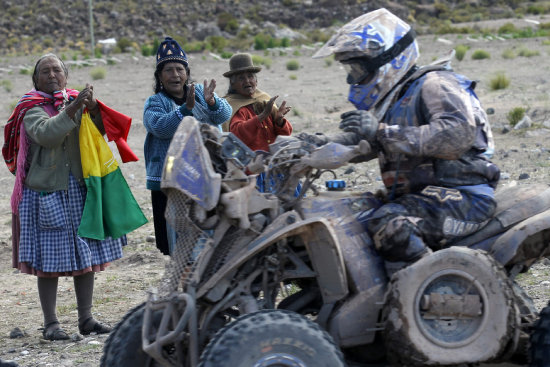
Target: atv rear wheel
x,y
271,338
539,349
454,306
123,346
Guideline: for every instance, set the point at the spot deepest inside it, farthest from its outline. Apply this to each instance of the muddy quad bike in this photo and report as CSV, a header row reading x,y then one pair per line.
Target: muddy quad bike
x,y
279,279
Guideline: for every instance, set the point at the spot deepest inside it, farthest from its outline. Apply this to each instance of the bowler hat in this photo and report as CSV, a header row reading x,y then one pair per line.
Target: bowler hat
x,y
170,50
239,63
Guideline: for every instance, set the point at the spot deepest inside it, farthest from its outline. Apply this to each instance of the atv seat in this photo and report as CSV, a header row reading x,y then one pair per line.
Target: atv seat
x,y
514,204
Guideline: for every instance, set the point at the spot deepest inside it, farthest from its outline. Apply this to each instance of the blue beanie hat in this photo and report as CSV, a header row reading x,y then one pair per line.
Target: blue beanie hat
x,y
170,50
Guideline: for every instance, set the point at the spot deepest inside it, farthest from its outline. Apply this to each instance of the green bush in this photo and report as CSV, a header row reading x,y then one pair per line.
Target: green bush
x,y
537,9
528,53
293,76
244,33
227,22
238,43
285,42
500,81
263,41
260,41
217,43
515,115
86,54
226,55
77,87
507,28
460,51
147,50
196,46
480,55
259,60
123,44
8,86
508,54
317,35
292,65
98,73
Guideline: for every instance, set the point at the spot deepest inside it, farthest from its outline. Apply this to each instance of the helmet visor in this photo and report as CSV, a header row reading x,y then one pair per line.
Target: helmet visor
x,y
357,70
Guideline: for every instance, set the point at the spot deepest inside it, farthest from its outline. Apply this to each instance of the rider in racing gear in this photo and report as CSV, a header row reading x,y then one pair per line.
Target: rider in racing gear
x,y
428,130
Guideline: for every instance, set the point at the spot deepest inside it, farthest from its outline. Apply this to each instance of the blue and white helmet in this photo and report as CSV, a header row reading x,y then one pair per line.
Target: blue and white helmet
x,y
378,46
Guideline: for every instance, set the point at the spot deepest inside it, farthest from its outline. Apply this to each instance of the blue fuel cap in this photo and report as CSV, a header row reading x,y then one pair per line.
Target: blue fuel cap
x,y
335,185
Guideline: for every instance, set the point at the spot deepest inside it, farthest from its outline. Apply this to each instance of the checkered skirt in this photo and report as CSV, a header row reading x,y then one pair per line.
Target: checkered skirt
x,y
48,238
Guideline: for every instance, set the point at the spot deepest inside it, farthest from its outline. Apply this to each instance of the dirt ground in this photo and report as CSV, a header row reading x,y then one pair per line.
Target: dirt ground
x,y
318,95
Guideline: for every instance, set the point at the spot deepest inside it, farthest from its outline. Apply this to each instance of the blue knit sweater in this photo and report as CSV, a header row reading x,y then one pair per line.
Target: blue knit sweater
x,y
162,116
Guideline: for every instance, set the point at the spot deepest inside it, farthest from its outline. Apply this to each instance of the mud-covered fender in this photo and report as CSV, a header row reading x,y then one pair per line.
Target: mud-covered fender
x,y
526,240
322,246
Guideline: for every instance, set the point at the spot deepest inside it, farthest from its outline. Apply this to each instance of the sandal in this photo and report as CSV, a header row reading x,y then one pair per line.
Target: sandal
x,y
96,327
57,333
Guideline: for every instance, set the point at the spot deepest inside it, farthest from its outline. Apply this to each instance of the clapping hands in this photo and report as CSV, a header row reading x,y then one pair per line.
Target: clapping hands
x,y
278,119
209,88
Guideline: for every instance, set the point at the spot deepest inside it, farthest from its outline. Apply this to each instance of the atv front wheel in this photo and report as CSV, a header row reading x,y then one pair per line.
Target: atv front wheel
x,y
123,346
455,306
271,338
539,349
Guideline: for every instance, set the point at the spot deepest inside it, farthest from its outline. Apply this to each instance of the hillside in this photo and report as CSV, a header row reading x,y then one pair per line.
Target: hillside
x,y
34,26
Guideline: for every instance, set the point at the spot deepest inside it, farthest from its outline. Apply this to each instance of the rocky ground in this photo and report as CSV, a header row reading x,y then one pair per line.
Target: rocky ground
x,y
317,93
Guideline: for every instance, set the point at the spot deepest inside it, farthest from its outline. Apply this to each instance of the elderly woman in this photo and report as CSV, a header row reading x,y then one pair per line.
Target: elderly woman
x,y
49,194
175,97
255,120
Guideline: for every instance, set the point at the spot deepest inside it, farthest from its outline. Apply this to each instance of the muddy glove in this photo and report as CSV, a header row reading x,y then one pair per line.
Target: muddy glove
x,y
362,123
315,139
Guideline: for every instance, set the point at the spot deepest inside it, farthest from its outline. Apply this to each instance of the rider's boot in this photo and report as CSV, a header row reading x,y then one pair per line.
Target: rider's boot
x,y
399,258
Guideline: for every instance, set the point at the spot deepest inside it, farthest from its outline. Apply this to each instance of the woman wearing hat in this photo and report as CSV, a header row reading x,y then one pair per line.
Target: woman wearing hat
x,y
175,97
256,120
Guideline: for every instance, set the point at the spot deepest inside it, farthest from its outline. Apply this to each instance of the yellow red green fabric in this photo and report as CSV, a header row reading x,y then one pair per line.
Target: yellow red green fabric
x,y
110,209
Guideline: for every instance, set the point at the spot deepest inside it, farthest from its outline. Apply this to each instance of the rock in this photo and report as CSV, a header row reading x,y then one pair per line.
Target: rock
x,y
76,337
524,123
284,32
537,132
523,176
349,170
206,29
17,333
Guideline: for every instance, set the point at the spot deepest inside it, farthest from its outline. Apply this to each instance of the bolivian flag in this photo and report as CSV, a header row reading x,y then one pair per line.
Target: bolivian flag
x,y
110,209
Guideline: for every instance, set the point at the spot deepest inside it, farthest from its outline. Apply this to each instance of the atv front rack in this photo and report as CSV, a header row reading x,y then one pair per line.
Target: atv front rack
x,y
167,322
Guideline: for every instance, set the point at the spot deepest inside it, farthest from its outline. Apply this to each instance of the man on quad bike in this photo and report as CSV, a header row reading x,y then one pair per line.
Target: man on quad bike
x,y
428,130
